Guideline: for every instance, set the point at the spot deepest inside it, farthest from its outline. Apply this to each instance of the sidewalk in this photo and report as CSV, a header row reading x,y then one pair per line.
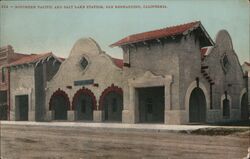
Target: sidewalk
x,y
161,127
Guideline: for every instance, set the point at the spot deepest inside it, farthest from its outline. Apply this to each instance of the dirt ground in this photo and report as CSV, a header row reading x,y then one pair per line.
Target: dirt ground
x,y
24,142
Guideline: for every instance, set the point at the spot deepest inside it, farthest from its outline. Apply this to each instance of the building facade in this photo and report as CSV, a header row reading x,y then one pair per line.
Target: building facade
x,y
88,86
28,78
175,75
193,78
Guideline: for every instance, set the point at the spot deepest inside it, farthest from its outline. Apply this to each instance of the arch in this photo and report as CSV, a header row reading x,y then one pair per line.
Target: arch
x,y
108,90
190,89
243,91
59,92
83,104
223,104
85,91
59,103
244,110
111,102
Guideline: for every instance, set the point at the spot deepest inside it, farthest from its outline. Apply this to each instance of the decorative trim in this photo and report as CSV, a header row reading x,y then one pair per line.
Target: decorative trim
x,y
87,92
59,92
108,90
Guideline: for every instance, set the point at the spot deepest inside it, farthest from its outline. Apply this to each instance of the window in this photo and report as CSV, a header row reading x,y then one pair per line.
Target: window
x,y
149,105
225,63
114,105
3,74
84,63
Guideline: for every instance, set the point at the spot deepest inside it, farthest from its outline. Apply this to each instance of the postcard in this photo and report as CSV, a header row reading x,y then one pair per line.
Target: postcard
x,y
121,79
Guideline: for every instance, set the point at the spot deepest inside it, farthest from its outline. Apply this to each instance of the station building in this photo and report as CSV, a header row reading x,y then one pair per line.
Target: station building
x,y
174,75
26,83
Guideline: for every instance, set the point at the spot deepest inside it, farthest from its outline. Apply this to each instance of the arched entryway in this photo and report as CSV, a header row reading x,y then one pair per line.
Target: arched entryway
x,y
59,103
197,106
226,108
244,107
84,103
111,102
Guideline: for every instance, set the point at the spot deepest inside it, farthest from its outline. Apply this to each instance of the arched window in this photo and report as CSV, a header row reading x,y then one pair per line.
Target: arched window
x,y
84,103
59,103
226,108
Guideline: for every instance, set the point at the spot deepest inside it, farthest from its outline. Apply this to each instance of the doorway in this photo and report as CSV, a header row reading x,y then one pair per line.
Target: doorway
x,y
151,103
197,106
21,107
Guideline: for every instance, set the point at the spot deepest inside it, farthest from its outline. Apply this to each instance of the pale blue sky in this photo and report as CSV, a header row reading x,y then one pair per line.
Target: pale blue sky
x,y
56,30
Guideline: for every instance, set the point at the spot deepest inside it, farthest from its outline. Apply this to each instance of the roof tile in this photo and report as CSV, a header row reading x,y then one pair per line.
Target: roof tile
x,y
169,31
118,62
30,59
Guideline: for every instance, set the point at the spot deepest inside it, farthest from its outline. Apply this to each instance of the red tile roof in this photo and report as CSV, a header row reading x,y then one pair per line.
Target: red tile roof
x,y
118,62
169,31
17,56
30,59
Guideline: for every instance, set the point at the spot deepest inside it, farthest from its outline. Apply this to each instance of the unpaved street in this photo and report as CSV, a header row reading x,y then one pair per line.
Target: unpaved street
x,y
34,141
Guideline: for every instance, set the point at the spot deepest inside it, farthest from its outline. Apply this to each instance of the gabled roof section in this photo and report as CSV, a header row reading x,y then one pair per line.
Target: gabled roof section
x,y
33,58
165,32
